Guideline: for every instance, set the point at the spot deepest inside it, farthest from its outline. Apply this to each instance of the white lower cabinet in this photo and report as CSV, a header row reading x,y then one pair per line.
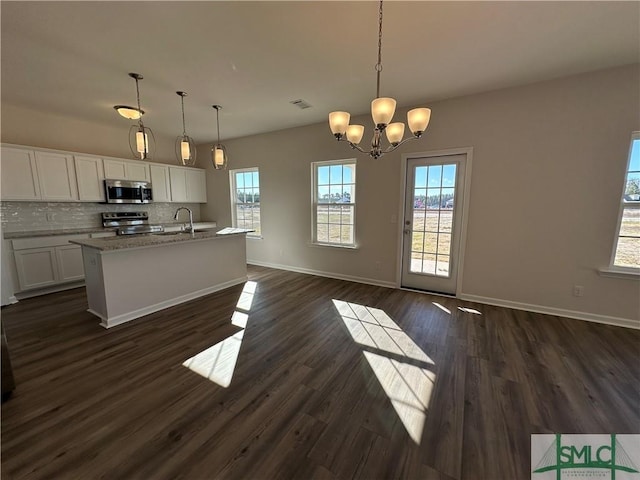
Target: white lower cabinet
x,y
37,267
70,267
47,261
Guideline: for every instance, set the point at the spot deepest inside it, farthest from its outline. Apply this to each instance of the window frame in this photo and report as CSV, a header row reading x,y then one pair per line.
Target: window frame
x,y
314,203
612,268
234,204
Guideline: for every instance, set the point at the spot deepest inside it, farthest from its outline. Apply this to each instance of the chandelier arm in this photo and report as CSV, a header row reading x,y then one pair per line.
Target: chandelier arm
x,y
392,147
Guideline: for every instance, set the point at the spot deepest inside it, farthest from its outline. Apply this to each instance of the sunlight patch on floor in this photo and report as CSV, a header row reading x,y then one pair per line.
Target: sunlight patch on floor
x,y
218,362
442,307
469,310
373,328
408,387
385,346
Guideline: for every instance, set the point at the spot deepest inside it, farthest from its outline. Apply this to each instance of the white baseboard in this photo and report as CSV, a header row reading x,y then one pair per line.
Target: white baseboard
x,y
590,317
559,312
125,317
337,276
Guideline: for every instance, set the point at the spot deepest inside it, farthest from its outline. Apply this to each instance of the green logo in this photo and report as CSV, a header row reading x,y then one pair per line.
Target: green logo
x,y
586,456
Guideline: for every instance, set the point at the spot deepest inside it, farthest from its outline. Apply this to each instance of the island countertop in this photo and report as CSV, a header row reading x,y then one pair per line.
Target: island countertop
x,y
151,240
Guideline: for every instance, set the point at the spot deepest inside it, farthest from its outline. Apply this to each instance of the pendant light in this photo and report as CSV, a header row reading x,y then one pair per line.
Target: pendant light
x,y
382,110
141,139
185,146
218,151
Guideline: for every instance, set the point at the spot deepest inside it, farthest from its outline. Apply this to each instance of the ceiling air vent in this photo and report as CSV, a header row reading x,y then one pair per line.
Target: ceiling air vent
x,y
301,104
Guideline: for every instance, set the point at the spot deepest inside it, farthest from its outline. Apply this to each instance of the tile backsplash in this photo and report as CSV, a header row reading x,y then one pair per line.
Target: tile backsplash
x,y
27,216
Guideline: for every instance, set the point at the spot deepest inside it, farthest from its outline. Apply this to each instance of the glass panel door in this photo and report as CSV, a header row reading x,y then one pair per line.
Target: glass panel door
x,y
432,209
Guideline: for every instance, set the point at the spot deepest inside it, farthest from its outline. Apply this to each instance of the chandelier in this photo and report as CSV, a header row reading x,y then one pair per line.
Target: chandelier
x,y
382,110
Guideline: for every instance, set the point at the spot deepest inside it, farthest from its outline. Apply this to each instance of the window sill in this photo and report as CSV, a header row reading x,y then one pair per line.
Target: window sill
x,y
613,272
334,245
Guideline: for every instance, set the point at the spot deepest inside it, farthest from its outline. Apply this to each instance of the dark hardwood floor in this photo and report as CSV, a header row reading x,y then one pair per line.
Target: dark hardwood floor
x,y
333,380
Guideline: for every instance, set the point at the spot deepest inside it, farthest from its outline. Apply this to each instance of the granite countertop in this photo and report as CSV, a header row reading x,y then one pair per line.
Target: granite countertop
x,y
150,240
54,232
85,230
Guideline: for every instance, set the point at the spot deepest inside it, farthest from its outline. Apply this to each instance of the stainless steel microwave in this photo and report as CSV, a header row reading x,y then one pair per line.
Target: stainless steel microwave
x,y
128,191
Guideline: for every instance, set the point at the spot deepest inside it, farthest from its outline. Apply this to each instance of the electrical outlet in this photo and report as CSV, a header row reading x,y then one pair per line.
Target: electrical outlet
x,y
578,291
378,265
49,217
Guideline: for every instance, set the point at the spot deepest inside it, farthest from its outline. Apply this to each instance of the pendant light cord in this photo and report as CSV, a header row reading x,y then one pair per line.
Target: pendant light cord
x,y
218,122
379,64
184,128
138,98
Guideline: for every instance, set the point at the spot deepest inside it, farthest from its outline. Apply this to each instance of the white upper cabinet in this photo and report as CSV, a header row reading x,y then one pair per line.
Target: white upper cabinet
x,y
188,185
196,186
160,183
178,177
90,176
124,170
30,174
19,175
57,177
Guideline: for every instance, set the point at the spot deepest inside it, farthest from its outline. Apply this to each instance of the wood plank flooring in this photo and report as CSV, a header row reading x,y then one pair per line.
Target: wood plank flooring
x,y
332,380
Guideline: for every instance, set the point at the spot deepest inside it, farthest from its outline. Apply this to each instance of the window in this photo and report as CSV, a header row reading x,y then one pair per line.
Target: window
x,y
334,202
245,199
626,253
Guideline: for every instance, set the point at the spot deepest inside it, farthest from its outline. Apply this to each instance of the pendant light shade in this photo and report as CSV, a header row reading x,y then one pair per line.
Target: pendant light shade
x,y
218,151
141,140
130,113
185,146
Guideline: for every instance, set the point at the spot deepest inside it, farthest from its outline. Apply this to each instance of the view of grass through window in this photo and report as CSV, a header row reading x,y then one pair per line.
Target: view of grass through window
x,y
628,243
246,185
433,199
335,191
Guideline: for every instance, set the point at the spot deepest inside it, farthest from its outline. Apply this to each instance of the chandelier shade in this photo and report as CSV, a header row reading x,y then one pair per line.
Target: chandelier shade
x,y
218,151
382,111
185,147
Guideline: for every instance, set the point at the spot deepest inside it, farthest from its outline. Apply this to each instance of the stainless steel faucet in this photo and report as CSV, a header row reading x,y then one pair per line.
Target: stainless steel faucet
x,y
175,217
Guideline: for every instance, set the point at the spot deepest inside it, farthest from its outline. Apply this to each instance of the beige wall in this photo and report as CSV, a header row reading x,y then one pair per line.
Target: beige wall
x,y
548,167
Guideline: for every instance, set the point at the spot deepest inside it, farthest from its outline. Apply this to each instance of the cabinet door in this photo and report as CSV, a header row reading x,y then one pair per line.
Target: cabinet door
x,y
115,169
36,267
70,266
137,171
160,183
90,176
19,175
57,177
196,186
178,180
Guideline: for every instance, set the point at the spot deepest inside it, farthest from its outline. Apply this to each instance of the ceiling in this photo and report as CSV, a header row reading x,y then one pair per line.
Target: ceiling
x,y
253,58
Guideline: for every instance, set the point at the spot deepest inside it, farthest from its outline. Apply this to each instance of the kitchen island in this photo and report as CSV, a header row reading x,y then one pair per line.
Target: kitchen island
x,y
129,277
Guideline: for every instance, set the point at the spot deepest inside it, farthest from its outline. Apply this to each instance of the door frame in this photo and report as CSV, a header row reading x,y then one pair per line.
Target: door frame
x,y
466,189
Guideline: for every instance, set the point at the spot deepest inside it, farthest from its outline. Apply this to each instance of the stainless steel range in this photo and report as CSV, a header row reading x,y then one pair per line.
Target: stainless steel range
x,y
130,223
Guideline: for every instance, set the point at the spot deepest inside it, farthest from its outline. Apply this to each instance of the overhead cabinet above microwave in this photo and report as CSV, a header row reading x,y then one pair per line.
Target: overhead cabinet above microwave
x,y
31,174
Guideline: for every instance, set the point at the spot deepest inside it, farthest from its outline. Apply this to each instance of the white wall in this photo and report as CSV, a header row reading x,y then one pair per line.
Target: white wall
x,y
548,168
